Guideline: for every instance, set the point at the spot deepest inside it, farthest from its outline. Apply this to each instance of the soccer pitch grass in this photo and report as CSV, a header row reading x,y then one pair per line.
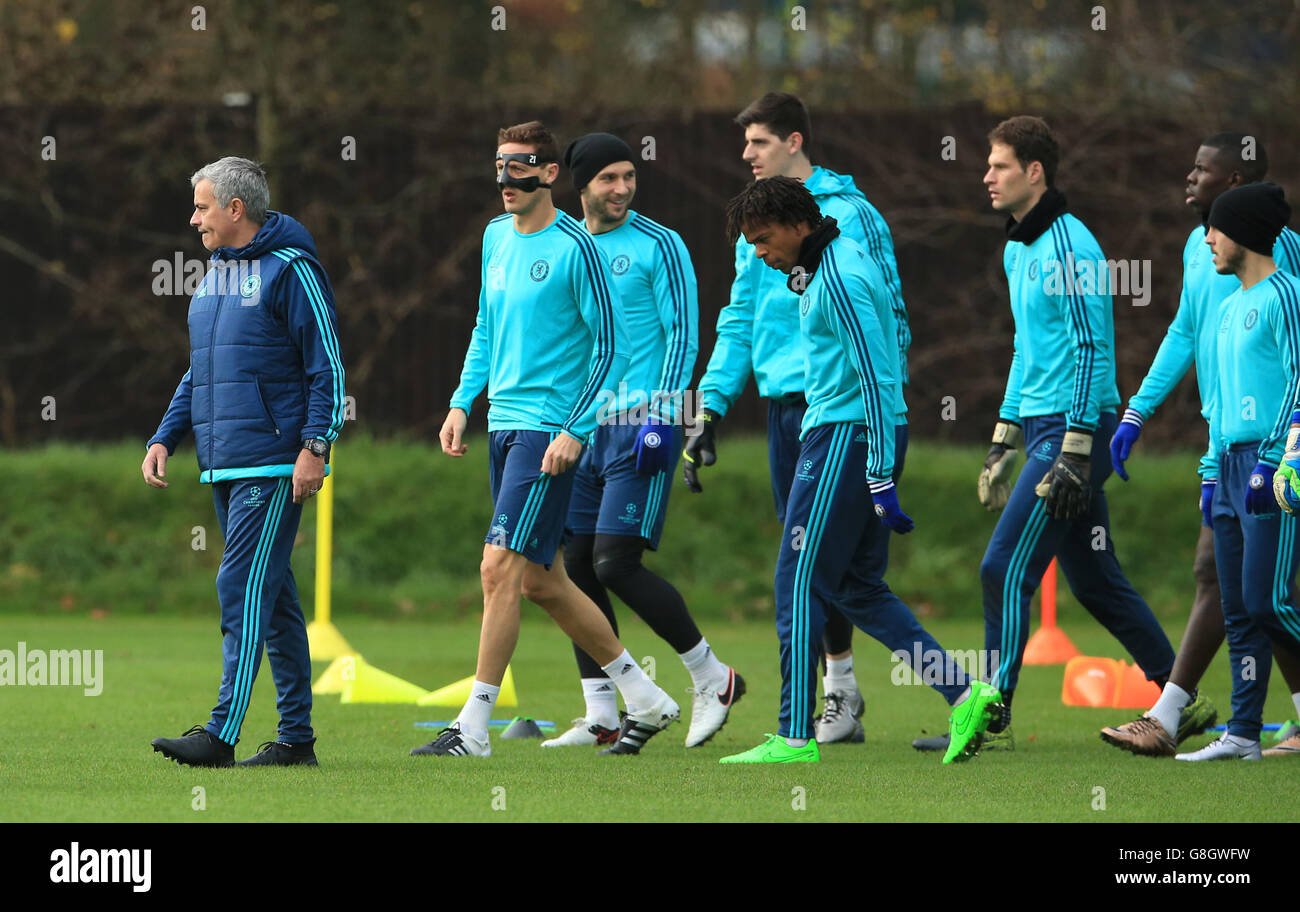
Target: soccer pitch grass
x,y
71,757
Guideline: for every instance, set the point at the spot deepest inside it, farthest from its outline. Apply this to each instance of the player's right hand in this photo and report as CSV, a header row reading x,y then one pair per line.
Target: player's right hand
x,y
995,478
701,448
154,467
453,432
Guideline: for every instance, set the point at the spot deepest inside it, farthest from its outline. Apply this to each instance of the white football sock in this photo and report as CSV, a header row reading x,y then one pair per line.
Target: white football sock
x,y
477,710
1169,707
839,675
796,742
638,691
1295,698
1239,741
602,701
705,669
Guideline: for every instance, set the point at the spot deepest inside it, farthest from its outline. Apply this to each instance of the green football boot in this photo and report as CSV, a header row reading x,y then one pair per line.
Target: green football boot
x,y
1196,717
969,720
1288,730
775,750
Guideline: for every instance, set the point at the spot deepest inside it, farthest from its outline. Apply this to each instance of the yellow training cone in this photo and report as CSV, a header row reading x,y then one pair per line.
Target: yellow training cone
x,y
340,672
326,643
370,685
457,693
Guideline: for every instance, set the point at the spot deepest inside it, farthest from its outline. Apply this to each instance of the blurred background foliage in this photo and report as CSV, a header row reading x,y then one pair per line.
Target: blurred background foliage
x,y
136,94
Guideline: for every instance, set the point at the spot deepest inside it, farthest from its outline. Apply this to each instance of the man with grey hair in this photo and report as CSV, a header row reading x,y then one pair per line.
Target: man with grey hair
x,y
264,398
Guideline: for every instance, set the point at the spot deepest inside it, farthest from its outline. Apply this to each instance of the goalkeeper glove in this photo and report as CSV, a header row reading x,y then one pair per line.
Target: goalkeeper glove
x,y
885,496
1286,482
1207,499
652,447
1259,495
701,449
1065,486
995,479
1130,428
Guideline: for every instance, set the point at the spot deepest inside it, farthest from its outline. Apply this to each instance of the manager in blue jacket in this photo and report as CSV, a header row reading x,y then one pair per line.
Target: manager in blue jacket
x,y
264,397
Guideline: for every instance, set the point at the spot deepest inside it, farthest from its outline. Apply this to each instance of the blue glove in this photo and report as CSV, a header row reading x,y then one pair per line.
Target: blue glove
x,y
1207,499
1259,496
1130,428
885,496
653,447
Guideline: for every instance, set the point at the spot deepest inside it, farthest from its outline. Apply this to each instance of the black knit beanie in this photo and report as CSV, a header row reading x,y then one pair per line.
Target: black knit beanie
x,y
1253,215
588,155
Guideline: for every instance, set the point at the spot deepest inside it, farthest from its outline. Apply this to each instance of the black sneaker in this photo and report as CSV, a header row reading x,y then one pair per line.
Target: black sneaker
x,y
278,753
640,727
197,747
452,743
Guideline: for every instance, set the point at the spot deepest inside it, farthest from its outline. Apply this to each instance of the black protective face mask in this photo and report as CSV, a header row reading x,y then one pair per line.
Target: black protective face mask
x,y
526,184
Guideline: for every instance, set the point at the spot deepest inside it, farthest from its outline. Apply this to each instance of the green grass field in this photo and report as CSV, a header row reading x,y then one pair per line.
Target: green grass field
x,y
71,757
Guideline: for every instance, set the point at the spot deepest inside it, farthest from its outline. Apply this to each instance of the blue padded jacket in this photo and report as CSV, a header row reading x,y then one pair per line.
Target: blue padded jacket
x,y
265,371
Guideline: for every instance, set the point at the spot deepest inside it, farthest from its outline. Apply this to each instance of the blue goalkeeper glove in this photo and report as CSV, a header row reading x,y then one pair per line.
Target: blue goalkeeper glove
x,y
653,446
1130,428
1286,482
885,496
1207,499
1259,495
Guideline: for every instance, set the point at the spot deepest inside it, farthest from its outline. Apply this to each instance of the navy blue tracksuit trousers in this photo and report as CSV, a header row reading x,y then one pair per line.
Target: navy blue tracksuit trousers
x,y
834,548
1024,543
784,423
1256,555
259,605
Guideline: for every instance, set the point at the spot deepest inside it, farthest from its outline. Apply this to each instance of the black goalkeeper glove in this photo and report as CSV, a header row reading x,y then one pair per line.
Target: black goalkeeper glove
x,y
701,448
1066,484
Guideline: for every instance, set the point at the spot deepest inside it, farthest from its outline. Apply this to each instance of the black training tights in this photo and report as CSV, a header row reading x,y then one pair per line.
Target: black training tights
x,y
600,564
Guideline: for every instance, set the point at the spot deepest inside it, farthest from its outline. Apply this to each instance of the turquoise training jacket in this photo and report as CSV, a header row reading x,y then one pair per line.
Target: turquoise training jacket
x,y
1258,352
654,277
1064,356
550,334
757,329
851,360
1191,337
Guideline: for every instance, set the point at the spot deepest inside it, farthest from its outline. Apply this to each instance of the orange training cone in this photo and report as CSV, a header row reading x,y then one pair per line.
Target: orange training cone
x,y
1090,681
1135,691
1049,645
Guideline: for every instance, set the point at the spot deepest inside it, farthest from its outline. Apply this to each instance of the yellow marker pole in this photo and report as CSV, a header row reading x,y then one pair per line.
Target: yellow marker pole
x,y
323,638
324,547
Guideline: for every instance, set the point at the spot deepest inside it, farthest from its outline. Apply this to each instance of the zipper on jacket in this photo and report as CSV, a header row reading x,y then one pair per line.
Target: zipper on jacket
x,y
212,398
257,382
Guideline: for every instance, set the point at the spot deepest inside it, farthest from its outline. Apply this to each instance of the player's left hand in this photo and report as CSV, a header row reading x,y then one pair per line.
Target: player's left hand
x,y
1121,445
653,446
1066,486
1286,481
1259,493
561,454
308,475
890,513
